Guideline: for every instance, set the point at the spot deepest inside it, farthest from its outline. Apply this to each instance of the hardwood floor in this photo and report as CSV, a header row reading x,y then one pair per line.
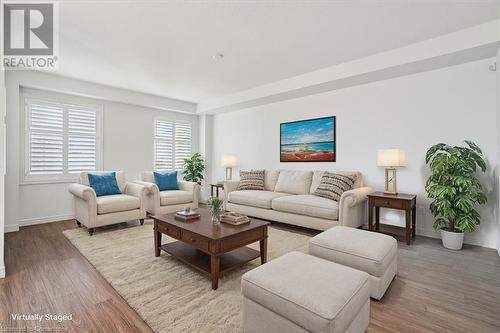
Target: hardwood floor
x,y
436,290
47,274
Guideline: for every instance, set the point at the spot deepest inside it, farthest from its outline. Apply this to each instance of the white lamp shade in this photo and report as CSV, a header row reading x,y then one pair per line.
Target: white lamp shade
x,y
229,161
391,158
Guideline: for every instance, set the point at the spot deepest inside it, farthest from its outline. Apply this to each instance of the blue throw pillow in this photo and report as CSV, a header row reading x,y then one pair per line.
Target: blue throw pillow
x,y
104,184
166,180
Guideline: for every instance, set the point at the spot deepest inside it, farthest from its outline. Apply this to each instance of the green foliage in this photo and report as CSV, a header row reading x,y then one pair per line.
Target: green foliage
x,y
453,186
215,205
193,168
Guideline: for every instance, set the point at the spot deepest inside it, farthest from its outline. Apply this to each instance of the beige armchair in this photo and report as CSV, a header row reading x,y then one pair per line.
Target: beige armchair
x,y
93,211
164,202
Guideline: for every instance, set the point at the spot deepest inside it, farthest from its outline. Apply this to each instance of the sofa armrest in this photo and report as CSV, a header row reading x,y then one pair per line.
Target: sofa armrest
x,y
136,190
192,187
352,206
229,186
83,192
139,191
187,186
150,187
85,204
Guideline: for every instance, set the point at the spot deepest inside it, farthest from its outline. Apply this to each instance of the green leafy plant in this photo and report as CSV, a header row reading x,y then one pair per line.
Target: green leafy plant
x,y
193,168
215,204
454,187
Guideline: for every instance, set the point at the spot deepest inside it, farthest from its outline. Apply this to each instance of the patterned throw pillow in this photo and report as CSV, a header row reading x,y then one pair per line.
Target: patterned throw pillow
x,y
332,185
251,180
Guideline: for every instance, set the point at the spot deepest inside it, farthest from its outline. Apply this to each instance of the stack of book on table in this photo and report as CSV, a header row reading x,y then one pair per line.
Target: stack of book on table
x,y
186,215
234,218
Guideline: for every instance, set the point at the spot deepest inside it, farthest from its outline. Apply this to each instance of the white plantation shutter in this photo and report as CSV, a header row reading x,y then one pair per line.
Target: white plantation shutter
x,y
61,141
46,138
82,139
172,144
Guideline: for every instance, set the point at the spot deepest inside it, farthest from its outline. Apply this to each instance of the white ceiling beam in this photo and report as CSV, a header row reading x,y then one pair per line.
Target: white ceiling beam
x,y
478,42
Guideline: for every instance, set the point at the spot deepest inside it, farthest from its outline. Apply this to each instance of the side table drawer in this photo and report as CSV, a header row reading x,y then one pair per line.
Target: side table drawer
x,y
169,230
195,240
397,204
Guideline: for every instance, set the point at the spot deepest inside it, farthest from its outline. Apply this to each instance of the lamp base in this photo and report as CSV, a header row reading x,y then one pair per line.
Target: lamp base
x,y
391,186
229,173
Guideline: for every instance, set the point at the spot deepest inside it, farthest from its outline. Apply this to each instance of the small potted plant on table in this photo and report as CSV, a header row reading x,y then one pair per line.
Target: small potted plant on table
x,y
455,190
215,205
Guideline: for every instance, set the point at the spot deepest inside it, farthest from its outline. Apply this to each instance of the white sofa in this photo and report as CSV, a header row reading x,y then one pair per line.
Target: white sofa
x,y
288,198
93,211
164,202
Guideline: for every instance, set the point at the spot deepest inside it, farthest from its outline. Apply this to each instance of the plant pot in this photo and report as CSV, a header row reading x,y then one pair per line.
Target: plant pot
x,y
452,240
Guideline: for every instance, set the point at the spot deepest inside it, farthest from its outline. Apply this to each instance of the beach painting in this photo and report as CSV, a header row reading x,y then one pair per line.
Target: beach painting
x,y
311,140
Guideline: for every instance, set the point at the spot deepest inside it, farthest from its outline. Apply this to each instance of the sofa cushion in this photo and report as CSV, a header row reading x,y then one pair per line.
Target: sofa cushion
x,y
332,185
251,180
175,197
367,251
317,295
254,198
295,182
117,203
307,204
270,179
317,175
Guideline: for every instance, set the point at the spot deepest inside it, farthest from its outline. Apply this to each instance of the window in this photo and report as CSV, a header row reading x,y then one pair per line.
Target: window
x,y
172,144
62,139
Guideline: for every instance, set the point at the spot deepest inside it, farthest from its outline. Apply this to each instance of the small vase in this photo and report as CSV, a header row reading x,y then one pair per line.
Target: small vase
x,y
215,219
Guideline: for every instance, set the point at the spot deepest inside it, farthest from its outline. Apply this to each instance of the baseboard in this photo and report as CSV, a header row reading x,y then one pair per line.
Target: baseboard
x,y
46,219
2,271
11,228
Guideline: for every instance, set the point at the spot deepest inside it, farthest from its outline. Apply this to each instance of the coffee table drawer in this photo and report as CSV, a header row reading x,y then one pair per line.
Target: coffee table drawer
x,y
194,240
169,230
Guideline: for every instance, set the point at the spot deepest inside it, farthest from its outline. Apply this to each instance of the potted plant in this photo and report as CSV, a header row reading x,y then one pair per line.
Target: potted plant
x,y
215,205
455,190
193,168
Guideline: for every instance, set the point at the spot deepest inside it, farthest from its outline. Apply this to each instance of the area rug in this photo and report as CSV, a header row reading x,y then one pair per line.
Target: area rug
x,y
168,295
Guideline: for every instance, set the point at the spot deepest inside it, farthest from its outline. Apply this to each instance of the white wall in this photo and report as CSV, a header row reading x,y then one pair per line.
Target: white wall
x,y
498,149
411,112
127,145
2,179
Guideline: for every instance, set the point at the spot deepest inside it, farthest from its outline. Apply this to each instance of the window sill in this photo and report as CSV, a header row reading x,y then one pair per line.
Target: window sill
x,y
28,182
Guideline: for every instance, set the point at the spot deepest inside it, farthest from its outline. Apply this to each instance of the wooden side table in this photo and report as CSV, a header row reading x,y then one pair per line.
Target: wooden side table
x,y
216,187
406,202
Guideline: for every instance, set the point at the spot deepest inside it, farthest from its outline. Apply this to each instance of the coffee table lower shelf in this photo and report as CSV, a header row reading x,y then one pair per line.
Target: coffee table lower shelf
x,y
202,261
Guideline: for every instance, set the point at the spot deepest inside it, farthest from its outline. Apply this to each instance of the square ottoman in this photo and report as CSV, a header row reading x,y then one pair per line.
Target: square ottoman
x,y
301,293
374,253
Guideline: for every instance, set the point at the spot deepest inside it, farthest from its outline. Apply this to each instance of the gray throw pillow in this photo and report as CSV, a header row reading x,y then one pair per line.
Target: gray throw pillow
x,y
251,180
332,185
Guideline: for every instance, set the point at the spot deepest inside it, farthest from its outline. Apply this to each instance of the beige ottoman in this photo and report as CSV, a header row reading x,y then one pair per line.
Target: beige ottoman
x,y
301,293
371,252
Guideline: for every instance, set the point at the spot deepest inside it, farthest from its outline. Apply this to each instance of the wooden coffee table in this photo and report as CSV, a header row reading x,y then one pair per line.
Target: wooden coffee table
x,y
208,248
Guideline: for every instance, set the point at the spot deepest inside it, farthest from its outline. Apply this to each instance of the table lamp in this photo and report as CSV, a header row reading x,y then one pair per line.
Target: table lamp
x,y
390,159
229,161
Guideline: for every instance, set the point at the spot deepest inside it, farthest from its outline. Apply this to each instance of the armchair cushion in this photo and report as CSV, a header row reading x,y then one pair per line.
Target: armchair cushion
x,y
166,180
117,203
175,197
104,184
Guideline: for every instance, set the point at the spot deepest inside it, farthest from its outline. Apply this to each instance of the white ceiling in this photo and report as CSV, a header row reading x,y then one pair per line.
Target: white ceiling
x,y
167,48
